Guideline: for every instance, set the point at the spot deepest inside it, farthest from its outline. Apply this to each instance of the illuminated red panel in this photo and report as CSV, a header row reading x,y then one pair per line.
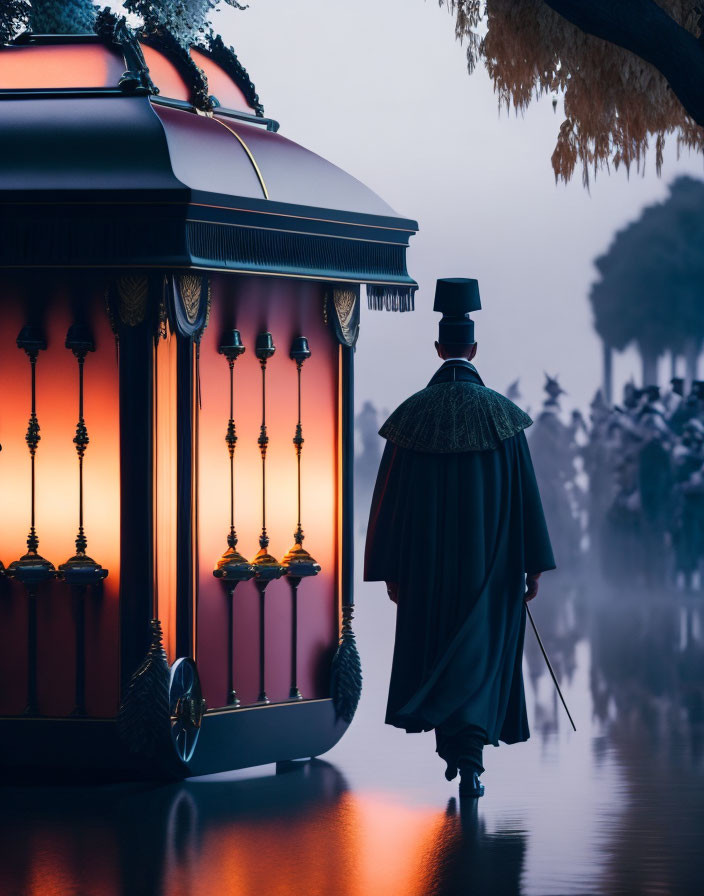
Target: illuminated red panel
x,y
220,84
165,75
287,309
57,504
165,466
59,65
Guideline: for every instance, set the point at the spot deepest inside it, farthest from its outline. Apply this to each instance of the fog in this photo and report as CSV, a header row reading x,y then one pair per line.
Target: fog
x,y
382,90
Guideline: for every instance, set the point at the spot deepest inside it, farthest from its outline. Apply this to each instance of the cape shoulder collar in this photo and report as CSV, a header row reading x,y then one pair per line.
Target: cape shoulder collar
x,y
451,416
456,370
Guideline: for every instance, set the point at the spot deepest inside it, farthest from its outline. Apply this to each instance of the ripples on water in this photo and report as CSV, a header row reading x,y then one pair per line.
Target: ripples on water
x,y
617,808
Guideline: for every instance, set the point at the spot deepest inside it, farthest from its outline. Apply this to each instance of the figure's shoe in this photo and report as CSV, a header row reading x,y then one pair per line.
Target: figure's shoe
x,y
470,785
451,771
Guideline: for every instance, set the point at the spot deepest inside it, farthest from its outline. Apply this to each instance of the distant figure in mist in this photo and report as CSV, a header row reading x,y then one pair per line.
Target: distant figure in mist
x,y
367,463
553,446
457,532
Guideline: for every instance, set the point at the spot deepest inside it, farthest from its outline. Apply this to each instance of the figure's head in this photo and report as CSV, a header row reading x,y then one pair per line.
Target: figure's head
x,y
455,297
466,350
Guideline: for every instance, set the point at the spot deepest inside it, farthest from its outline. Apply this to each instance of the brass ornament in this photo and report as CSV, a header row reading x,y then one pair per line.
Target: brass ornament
x,y
298,562
132,295
162,331
191,288
209,304
345,301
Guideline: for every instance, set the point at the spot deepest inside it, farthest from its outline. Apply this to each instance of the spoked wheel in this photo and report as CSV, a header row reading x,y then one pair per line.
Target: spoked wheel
x,y
187,707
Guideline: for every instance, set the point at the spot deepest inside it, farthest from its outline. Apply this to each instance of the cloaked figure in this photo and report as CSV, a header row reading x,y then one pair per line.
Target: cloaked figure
x,y
457,532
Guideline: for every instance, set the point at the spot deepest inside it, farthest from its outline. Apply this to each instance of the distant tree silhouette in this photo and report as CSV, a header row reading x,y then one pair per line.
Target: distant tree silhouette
x,y
651,282
630,70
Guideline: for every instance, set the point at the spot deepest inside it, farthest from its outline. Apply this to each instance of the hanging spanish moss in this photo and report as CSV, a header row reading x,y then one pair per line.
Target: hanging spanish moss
x,y
62,16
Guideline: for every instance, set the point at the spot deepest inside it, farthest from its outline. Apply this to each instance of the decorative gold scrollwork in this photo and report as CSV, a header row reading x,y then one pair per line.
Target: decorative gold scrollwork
x,y
132,294
209,305
191,288
345,302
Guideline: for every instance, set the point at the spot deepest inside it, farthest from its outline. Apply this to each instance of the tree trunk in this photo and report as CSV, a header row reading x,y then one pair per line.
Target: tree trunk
x,y
691,360
673,364
645,29
608,382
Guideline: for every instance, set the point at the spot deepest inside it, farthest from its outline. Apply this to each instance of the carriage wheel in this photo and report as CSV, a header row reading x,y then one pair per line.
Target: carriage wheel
x,y
187,707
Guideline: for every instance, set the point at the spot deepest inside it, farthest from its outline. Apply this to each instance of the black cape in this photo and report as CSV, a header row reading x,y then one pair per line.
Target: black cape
x,y
456,521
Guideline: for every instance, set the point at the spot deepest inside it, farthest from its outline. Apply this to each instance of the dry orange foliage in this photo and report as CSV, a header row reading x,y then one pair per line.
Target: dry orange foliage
x,y
616,105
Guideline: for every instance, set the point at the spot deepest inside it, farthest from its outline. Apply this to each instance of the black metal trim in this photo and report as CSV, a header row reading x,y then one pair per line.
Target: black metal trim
x,y
122,237
162,40
52,93
29,37
136,358
229,739
261,249
226,58
347,414
176,308
185,593
249,117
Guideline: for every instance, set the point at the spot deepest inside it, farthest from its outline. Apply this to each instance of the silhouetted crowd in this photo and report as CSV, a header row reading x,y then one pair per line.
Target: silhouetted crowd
x,y
627,489
645,463
623,492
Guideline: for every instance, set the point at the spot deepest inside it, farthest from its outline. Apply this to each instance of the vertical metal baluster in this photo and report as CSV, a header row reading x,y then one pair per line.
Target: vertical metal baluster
x,y
31,570
232,568
267,568
80,571
298,562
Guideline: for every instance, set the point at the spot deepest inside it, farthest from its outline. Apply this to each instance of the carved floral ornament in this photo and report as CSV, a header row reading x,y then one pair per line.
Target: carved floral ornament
x,y
183,299
191,288
344,302
132,297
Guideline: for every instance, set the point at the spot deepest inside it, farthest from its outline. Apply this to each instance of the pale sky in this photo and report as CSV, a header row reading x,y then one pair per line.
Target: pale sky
x,y
380,88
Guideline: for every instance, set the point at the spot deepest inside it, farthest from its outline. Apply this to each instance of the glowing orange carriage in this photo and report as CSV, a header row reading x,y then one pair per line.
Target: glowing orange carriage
x,y
180,300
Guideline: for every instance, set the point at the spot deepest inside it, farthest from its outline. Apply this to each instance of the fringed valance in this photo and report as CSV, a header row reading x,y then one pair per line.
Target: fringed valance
x,y
391,298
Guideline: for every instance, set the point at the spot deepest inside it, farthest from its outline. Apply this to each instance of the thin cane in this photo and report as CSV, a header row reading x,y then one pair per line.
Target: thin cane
x,y
547,661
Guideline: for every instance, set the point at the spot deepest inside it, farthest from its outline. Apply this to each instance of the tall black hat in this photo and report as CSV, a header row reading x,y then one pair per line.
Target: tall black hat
x,y
455,297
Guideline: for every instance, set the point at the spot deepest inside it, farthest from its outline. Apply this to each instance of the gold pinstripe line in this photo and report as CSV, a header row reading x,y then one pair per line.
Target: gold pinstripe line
x,y
249,155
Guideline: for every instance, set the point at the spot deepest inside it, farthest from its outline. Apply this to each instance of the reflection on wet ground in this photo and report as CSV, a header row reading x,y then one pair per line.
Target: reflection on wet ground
x,y
617,808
